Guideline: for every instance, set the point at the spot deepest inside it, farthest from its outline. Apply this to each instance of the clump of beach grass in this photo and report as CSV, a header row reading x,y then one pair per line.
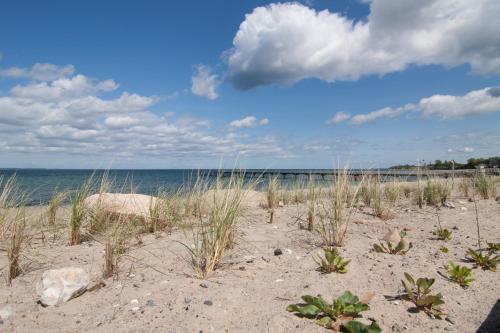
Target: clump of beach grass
x,y
216,233
381,208
464,186
367,190
79,212
18,238
53,206
8,199
436,191
117,235
272,192
313,194
335,212
165,211
392,191
485,186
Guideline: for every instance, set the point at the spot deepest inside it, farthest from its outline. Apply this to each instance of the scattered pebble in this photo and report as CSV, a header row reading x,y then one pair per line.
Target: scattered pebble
x,y
203,285
280,280
463,208
395,302
134,301
242,268
278,252
135,308
187,300
150,302
288,251
208,302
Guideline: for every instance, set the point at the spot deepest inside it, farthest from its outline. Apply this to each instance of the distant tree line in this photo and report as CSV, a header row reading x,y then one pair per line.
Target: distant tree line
x,y
472,163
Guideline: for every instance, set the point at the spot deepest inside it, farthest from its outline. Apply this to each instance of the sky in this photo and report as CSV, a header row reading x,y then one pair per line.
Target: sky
x,y
253,84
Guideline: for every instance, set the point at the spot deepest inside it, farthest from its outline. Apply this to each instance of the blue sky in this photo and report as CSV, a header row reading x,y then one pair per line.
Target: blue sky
x,y
198,84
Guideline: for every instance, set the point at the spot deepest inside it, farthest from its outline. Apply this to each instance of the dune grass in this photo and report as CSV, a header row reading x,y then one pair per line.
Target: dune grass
x,y
335,212
485,186
53,206
79,213
213,235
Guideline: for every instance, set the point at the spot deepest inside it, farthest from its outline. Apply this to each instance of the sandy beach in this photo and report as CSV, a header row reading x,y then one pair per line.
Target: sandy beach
x,y
156,289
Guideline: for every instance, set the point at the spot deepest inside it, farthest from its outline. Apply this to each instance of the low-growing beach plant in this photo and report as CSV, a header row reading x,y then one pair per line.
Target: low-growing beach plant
x,y
329,315
459,274
333,212
419,293
355,326
400,246
493,247
444,249
441,233
485,186
488,261
331,262
53,206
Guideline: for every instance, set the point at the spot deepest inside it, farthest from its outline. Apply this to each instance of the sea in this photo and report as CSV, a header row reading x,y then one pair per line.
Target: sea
x,y
39,185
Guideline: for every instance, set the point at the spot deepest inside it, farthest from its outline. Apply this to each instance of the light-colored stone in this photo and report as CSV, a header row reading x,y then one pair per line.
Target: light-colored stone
x,y
392,236
60,285
449,204
122,203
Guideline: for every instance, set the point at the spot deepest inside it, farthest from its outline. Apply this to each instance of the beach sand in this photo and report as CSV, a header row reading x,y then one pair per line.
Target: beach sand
x,y
251,291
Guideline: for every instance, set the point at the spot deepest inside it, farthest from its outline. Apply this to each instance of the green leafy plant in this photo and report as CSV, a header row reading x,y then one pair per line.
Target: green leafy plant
x,y
485,261
332,262
443,234
401,247
355,326
419,292
493,247
443,249
328,315
459,274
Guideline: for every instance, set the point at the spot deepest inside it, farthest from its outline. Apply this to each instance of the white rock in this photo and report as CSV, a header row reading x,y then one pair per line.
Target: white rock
x,y
463,208
449,204
131,205
5,312
60,285
134,302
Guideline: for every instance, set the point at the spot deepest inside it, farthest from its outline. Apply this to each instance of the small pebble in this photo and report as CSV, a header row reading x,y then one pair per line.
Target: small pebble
x,y
134,301
208,302
278,252
135,308
203,285
150,302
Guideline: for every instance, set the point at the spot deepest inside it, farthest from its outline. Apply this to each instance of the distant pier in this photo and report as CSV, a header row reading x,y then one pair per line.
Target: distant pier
x,y
356,174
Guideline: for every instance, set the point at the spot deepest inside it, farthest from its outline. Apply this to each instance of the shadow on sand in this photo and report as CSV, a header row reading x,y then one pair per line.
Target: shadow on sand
x,y
492,322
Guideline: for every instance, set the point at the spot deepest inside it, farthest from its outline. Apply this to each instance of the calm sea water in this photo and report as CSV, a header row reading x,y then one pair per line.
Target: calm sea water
x,y
41,184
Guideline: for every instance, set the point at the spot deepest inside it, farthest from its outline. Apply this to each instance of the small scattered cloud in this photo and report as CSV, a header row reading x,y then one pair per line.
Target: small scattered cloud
x,y
474,103
460,150
204,83
338,118
248,122
39,72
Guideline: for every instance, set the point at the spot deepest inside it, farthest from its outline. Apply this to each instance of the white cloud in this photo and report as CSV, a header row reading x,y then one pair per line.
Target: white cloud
x,y
338,118
474,103
460,150
40,72
285,43
204,83
72,115
248,122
